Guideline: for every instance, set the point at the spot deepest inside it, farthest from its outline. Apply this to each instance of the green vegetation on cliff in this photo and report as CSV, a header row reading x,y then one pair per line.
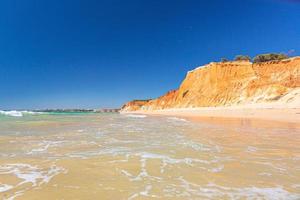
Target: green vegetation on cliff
x,y
269,57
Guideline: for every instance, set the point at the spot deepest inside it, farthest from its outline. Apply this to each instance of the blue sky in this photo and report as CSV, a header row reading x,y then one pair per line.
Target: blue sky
x,y
93,53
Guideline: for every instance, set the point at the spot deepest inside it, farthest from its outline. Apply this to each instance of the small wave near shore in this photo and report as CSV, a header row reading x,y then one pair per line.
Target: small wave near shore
x,y
15,113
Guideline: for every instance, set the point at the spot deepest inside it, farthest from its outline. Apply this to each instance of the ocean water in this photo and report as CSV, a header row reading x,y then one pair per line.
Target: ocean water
x,y
119,156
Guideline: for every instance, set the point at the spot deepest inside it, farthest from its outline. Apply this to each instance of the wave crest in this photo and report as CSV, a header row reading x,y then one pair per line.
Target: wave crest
x,y
15,113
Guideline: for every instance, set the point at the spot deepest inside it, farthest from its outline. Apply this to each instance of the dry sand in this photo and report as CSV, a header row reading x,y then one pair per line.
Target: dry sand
x,y
279,114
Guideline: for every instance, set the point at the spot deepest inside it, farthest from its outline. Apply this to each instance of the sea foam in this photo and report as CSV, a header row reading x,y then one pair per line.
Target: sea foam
x,y
136,116
27,174
15,113
5,187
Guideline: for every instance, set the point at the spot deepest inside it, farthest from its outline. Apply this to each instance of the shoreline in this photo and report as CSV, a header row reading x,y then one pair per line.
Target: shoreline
x,y
290,115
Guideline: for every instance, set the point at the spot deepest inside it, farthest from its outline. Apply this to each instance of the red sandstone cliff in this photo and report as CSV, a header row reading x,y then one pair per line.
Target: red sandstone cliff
x,y
232,83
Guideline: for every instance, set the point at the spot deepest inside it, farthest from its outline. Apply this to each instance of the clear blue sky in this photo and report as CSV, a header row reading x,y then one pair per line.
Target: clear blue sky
x,y
93,53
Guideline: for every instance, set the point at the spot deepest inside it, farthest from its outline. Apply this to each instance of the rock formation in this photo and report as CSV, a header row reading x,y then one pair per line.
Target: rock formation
x,y
230,84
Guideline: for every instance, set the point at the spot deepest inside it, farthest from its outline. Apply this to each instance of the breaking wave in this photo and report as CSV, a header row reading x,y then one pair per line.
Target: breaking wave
x,y
15,113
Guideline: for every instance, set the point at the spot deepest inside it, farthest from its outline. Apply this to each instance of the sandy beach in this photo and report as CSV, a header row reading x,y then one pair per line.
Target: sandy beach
x,y
291,115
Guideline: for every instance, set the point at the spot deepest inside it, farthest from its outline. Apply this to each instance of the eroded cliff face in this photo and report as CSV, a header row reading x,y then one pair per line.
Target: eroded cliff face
x,y
231,83
134,105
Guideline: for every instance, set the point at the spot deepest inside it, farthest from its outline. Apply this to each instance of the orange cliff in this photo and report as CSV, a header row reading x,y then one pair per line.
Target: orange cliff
x,y
236,83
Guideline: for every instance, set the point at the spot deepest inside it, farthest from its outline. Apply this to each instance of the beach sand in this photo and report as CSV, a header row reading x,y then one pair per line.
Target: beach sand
x,y
291,115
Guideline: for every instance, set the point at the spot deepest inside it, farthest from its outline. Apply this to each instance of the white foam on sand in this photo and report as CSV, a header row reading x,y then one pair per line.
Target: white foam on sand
x,y
27,174
177,119
5,187
136,116
144,193
43,146
212,191
166,160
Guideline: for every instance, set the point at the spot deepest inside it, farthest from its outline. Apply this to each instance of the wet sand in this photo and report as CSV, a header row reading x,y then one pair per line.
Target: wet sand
x,y
146,157
291,115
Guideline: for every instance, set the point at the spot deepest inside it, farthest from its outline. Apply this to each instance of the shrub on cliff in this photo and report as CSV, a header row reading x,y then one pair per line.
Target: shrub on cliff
x,y
224,60
269,57
185,93
242,58
141,100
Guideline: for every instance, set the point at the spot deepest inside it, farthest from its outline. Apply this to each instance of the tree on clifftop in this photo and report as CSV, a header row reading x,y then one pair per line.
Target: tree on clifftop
x,y
224,60
242,58
269,57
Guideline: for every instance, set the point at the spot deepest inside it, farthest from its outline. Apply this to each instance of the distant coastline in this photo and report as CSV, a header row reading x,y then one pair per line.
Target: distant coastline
x,y
104,110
